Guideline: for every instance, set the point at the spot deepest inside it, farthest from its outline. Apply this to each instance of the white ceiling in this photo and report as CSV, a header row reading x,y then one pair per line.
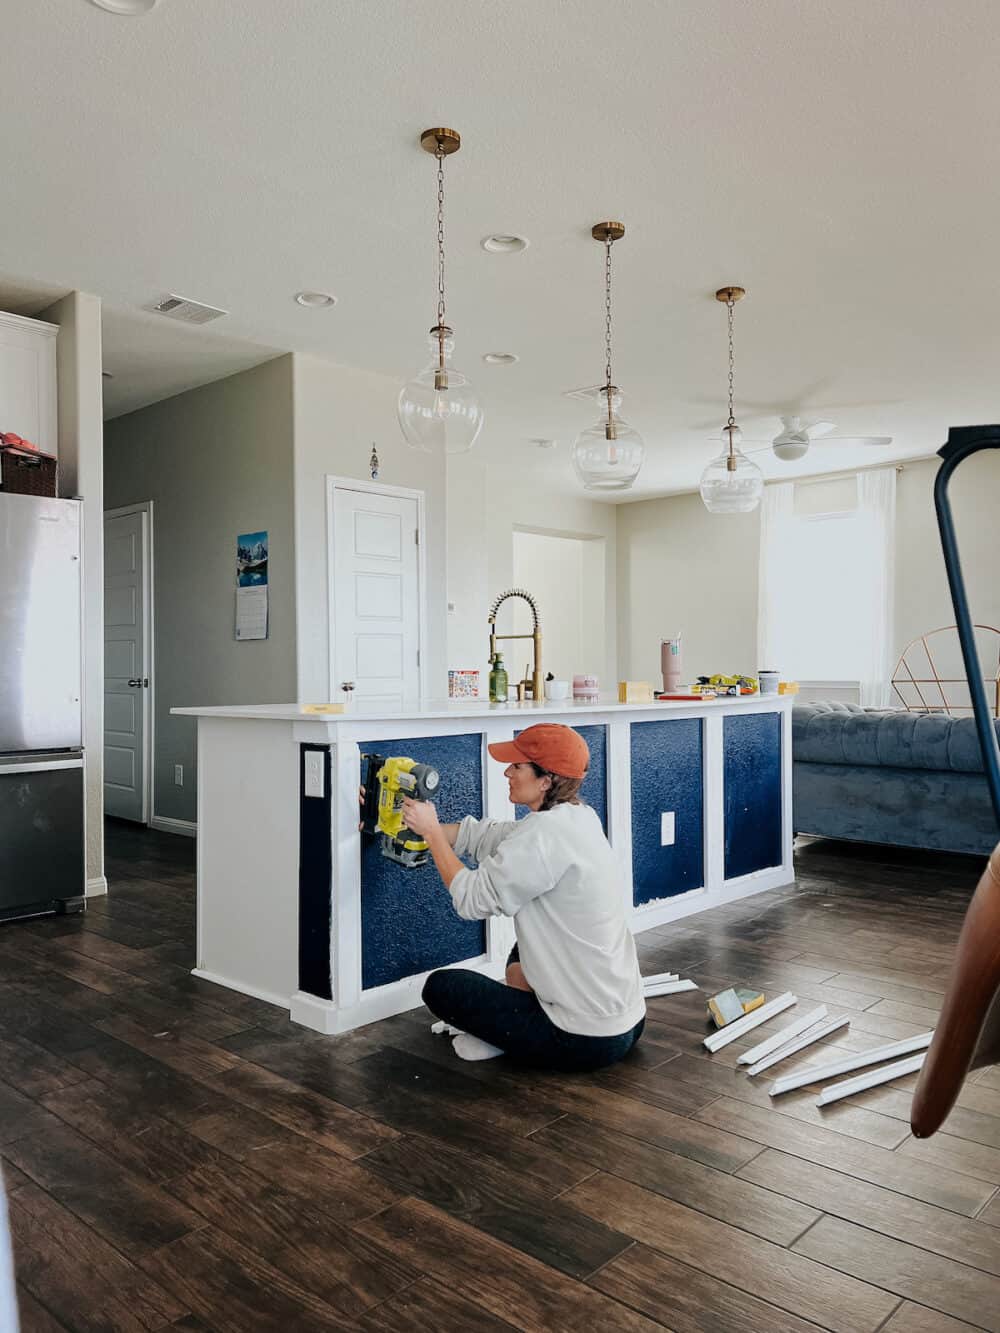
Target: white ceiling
x,y
834,157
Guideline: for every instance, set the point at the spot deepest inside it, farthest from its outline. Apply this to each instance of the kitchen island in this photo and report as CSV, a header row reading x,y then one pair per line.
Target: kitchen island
x,y
297,907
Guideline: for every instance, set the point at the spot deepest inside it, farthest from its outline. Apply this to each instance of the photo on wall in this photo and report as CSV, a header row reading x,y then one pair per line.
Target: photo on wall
x,y
251,559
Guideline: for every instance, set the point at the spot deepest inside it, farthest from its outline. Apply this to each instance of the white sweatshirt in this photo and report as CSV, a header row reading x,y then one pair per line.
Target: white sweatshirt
x,y
556,875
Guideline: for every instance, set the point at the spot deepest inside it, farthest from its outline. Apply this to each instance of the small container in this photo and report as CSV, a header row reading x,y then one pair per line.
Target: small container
x,y
586,689
768,681
557,689
498,680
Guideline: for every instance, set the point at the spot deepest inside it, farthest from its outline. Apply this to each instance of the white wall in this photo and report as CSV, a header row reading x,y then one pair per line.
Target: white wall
x,y
486,503
216,461
338,413
683,568
566,575
81,465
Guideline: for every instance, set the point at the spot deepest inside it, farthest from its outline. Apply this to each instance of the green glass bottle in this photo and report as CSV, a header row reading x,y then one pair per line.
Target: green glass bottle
x,y
498,680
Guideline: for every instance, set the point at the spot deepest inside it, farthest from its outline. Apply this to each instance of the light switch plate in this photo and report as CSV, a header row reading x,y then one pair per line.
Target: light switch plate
x,y
314,785
667,828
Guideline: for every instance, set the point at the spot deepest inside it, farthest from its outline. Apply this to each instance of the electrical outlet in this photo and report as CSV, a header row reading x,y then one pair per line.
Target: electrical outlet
x,y
314,784
178,775
667,828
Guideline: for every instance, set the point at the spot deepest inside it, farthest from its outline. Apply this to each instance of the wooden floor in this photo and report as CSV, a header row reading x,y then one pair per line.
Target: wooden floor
x,y
179,1156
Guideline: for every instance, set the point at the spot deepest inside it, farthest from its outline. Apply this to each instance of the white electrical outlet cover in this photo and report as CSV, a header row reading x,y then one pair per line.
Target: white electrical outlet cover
x,y
314,785
667,825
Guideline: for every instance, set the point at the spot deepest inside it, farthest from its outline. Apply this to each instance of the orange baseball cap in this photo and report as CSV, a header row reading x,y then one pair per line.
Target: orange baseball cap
x,y
550,745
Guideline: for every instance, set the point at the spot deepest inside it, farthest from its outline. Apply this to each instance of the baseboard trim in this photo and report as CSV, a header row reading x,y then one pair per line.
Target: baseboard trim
x,y
665,910
185,827
97,887
255,992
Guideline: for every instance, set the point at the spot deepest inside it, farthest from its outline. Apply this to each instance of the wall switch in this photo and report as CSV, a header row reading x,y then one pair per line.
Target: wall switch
x,y
667,828
178,775
314,785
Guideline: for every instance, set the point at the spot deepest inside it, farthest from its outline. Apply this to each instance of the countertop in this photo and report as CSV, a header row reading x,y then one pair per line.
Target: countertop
x,y
433,709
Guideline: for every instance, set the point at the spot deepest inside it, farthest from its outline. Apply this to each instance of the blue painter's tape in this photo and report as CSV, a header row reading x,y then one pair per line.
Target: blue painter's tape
x,y
666,763
752,778
594,791
408,924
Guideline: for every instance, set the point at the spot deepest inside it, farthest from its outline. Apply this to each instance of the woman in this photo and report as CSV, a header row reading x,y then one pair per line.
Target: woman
x,y
573,998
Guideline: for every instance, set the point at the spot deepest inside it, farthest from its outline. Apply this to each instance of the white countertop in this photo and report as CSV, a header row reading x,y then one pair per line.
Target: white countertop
x,y
430,709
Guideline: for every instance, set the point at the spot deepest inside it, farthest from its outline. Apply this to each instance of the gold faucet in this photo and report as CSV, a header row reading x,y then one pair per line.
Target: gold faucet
x,y
533,687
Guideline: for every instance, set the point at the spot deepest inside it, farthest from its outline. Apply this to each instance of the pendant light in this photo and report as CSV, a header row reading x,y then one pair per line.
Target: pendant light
x,y
608,455
438,410
731,484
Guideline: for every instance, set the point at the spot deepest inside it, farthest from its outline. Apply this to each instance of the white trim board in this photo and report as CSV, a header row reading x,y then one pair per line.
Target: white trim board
x,y
782,1037
96,887
800,1043
871,1078
185,827
269,997
716,1040
820,1073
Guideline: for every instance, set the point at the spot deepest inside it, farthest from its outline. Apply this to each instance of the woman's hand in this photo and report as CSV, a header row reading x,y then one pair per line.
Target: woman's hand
x,y
420,816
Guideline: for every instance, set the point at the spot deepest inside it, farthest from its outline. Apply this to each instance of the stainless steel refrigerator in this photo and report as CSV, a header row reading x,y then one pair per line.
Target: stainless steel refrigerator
x,y
41,720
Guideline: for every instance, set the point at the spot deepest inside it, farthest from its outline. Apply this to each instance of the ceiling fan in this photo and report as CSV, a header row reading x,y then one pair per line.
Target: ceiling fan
x,y
796,435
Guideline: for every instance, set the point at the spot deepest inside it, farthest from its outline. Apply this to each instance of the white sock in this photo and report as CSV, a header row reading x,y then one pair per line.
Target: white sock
x,y
441,1027
467,1047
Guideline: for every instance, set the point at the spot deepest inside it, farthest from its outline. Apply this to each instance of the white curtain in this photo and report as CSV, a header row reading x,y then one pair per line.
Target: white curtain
x,y
776,514
877,501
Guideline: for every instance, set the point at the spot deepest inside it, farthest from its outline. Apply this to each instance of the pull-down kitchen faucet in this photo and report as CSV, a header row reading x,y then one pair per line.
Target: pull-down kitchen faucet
x,y
534,686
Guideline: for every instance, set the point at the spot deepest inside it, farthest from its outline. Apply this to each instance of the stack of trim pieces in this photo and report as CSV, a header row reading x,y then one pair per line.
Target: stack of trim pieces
x,y
914,1048
790,1044
665,983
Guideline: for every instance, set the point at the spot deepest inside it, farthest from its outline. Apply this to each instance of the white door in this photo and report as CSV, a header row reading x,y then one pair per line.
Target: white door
x,y
375,586
126,668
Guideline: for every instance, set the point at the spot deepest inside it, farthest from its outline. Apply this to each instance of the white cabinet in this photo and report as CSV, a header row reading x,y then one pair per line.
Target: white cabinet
x,y
28,391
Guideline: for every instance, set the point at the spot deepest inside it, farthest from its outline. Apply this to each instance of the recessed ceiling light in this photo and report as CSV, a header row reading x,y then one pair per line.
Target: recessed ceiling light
x,y
500,358
126,6
543,443
504,243
315,300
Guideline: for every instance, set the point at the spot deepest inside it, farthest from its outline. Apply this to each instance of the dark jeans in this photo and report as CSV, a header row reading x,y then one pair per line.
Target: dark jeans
x,y
515,1021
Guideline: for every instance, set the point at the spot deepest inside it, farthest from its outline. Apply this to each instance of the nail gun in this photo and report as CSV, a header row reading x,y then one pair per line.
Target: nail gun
x,y
386,782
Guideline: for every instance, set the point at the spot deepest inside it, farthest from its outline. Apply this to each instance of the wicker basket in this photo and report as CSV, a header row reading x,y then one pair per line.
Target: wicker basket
x,y
24,472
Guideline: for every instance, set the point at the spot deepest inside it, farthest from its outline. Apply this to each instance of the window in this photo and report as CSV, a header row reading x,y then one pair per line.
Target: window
x,y
826,586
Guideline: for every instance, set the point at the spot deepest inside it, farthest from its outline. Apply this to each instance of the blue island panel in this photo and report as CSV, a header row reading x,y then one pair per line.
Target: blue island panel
x,y
408,924
666,766
752,785
594,791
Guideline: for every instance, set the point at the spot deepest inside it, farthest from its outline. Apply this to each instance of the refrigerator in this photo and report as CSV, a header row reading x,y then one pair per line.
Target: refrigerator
x,y
42,866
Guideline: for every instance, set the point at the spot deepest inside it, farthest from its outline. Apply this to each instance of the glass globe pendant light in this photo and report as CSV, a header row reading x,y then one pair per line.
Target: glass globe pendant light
x,y
608,455
438,410
732,483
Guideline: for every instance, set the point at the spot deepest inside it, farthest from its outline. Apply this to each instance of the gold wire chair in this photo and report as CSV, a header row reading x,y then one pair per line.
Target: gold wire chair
x,y
922,674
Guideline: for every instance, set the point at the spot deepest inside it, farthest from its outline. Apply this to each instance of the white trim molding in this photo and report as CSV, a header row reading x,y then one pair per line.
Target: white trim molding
x,y
187,828
97,887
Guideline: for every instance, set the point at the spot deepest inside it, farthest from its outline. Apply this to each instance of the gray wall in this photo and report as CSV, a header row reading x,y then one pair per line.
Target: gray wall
x,y
216,461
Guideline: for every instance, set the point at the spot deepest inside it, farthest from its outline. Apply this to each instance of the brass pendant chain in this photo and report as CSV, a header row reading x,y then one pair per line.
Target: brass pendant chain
x,y
731,423
610,430
440,161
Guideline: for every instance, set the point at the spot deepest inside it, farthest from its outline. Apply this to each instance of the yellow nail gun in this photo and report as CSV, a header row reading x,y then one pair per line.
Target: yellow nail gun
x,y
386,782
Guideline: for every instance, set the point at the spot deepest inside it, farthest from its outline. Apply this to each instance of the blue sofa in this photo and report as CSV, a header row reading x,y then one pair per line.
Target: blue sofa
x,y
906,779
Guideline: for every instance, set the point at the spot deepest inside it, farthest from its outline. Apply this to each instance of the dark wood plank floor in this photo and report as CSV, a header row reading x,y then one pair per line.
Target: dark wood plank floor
x,y
179,1156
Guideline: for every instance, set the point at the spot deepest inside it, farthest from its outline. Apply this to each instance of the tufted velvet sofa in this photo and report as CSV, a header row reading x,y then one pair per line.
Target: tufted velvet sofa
x,y
909,779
